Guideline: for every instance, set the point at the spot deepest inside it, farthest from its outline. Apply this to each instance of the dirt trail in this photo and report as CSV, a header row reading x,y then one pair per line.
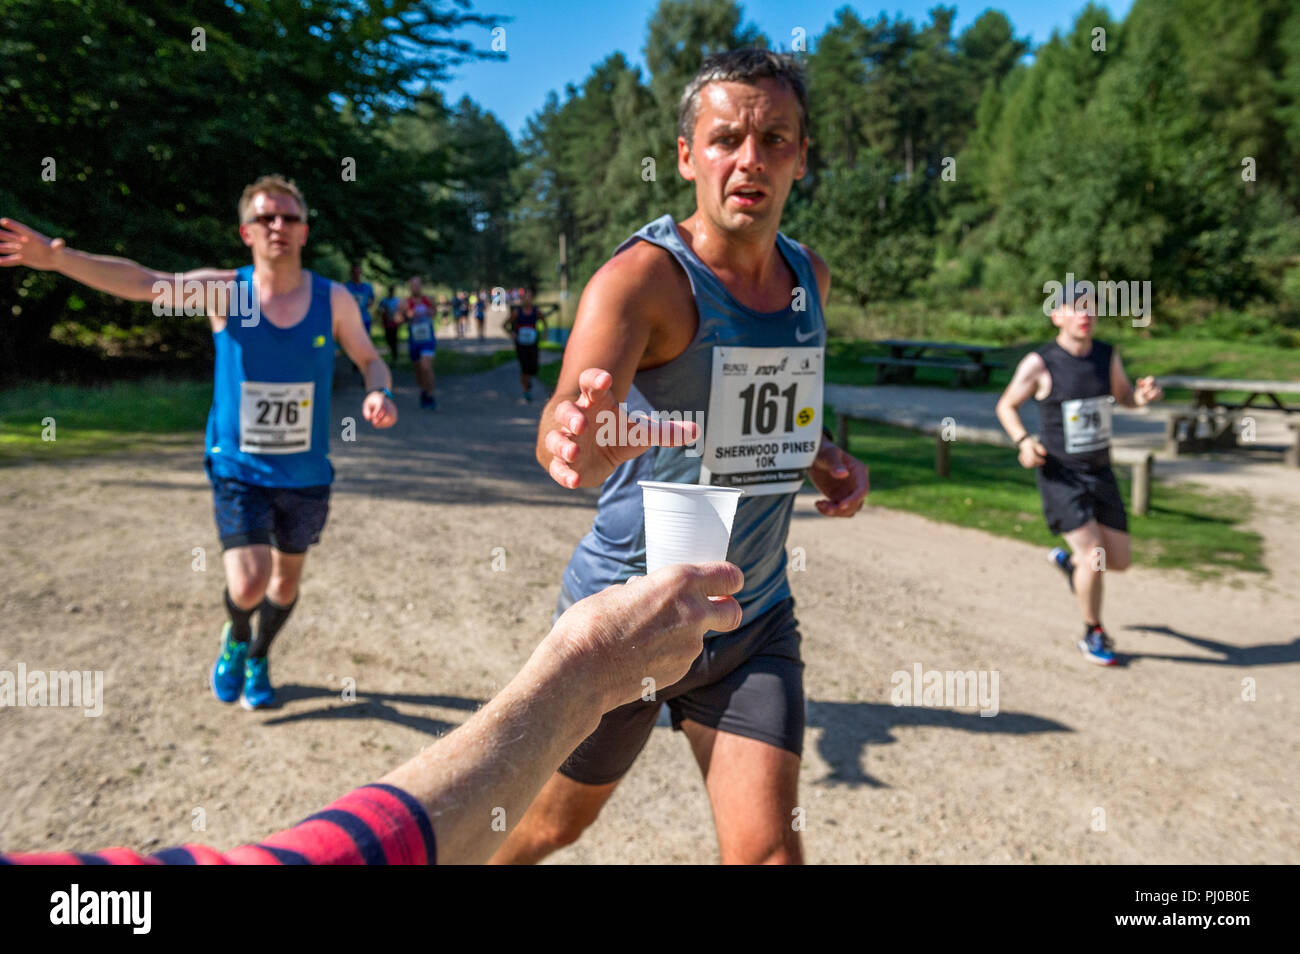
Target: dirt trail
x,y
97,562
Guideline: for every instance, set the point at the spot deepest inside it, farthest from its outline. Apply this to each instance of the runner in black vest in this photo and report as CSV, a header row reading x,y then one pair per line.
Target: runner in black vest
x,y
525,325
1076,382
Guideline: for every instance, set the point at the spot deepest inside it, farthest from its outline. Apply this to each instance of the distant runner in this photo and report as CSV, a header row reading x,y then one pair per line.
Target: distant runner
x,y
422,342
526,325
364,293
1076,381
389,309
480,312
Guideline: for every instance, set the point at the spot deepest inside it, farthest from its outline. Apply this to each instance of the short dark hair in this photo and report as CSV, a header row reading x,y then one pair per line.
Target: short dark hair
x,y
742,66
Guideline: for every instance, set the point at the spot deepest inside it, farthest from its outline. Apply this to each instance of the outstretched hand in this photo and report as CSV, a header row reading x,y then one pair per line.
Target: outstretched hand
x,y
21,245
588,440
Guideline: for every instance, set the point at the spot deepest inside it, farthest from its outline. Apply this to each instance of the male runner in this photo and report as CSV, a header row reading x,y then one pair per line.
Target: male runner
x,y
422,342
525,324
459,310
719,315
364,293
269,427
388,311
480,312
1076,380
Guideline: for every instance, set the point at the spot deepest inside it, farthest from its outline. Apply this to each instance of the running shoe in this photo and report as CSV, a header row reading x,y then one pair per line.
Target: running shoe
x,y
1062,561
257,685
1097,648
228,671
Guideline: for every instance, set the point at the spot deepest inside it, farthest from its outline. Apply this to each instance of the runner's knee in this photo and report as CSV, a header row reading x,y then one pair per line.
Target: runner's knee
x,y
282,589
247,588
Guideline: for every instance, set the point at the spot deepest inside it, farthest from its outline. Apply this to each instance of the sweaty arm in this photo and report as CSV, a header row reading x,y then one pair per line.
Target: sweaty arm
x,y
351,335
1124,394
121,277
1027,382
613,335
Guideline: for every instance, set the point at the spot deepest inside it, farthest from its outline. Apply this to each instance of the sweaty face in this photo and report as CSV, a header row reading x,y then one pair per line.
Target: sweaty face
x,y
1076,323
278,239
746,153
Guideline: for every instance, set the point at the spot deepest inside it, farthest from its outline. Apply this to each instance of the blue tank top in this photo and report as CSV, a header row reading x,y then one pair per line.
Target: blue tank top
x,y
269,423
614,550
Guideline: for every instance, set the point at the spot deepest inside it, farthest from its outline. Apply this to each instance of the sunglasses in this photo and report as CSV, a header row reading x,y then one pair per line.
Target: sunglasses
x,y
269,220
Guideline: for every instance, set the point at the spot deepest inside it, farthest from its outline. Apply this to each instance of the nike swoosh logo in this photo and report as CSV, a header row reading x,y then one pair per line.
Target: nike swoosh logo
x,y
800,337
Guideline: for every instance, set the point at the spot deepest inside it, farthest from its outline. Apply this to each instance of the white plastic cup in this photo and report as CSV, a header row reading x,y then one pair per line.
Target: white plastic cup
x,y
686,523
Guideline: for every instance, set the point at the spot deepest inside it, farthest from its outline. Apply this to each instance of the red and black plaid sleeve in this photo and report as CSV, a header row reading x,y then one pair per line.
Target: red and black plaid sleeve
x,y
372,825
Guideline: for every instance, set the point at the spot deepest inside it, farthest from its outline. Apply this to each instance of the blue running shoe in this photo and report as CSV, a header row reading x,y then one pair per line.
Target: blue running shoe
x,y
1097,648
1062,561
257,685
228,671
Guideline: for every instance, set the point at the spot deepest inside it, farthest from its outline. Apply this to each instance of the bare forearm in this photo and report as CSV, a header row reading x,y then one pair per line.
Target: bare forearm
x,y
493,766
378,375
1009,418
117,276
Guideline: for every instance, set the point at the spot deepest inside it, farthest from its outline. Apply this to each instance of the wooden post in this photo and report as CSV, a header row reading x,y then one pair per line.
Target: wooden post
x,y
1142,484
1172,442
842,432
942,454
1293,452
564,284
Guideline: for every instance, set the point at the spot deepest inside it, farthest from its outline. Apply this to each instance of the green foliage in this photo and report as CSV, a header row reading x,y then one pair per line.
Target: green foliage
x,y
154,132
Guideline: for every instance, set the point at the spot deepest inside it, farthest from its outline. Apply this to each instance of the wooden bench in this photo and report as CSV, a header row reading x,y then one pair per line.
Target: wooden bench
x,y
906,356
1211,423
1293,451
967,371
1140,460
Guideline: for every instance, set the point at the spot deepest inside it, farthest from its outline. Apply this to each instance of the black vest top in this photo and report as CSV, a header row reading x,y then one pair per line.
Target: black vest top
x,y
1073,378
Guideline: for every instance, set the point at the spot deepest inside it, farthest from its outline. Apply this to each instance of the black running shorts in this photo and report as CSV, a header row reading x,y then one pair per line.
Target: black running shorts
x,y
528,358
748,682
1073,497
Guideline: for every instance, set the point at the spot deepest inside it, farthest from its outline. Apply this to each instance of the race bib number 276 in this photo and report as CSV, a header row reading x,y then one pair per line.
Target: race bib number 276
x,y
275,418
764,425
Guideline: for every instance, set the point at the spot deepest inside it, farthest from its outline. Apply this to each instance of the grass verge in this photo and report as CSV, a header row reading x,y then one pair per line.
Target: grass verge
x,y
1188,528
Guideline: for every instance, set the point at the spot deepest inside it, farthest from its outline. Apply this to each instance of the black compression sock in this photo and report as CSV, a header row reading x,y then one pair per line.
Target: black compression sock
x,y
271,617
241,628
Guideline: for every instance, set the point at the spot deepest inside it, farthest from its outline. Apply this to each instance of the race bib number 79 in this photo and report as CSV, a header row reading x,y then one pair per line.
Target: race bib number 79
x,y
764,424
1087,423
275,418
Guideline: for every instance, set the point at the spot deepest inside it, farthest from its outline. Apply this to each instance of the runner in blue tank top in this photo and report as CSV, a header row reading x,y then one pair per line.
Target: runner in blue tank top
x,y
1076,381
274,325
720,318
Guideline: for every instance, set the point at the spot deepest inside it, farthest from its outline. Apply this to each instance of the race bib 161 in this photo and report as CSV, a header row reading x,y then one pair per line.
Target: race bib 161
x,y
764,425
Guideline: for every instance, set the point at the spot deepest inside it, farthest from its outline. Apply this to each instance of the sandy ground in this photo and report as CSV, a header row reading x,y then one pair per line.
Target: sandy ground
x,y
1160,760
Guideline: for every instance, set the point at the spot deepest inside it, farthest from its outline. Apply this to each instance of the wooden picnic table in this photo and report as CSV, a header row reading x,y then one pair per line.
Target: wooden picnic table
x,y
1212,423
906,356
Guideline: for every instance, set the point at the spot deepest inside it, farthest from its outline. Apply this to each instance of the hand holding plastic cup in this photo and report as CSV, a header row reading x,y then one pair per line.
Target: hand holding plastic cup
x,y
686,523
